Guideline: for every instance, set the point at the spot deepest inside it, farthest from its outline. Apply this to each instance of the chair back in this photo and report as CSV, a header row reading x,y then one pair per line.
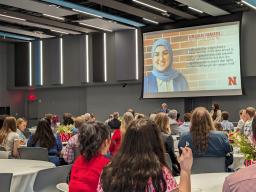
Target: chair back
x,y
33,153
168,160
5,182
4,154
47,179
208,165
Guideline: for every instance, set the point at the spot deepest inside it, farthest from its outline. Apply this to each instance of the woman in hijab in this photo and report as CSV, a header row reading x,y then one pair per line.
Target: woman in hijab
x,y
163,78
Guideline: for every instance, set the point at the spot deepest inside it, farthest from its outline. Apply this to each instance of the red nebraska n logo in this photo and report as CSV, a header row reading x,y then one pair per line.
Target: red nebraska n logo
x,y
232,81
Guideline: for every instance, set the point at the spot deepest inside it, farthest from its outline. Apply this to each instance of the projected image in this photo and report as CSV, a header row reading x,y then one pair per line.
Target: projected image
x,y
200,61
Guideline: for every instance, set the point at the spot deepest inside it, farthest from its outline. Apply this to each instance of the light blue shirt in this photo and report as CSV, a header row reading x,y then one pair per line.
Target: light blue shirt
x,y
227,125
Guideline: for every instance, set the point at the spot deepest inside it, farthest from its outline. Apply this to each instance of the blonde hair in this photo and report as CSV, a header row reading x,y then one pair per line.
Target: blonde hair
x,y
8,126
162,121
78,121
126,121
201,125
19,121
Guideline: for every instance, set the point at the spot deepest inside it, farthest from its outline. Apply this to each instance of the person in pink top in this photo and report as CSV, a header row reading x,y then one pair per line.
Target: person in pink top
x,y
140,164
119,133
243,180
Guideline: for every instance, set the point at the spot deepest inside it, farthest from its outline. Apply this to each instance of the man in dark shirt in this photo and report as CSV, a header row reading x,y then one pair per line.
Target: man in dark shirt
x,y
115,123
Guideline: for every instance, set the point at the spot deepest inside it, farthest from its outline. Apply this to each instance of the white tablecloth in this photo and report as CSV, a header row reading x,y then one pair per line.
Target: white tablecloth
x,y
24,172
207,182
238,161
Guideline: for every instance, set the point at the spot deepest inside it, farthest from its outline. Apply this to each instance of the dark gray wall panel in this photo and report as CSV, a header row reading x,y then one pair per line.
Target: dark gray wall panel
x,y
51,62
125,55
98,57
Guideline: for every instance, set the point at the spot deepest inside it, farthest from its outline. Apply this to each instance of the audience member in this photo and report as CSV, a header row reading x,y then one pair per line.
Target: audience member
x,y
216,113
21,126
164,108
225,123
94,139
204,140
162,121
243,180
139,116
140,163
249,114
115,123
119,133
185,127
173,123
45,138
67,119
9,139
152,116
179,121
240,124
218,126
87,117
110,117
73,143
131,111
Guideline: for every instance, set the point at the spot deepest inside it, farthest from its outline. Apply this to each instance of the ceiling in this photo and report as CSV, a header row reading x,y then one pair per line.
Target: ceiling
x,y
53,18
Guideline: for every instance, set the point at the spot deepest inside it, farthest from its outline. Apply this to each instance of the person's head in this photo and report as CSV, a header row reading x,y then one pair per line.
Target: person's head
x,y
173,114
225,115
187,117
2,118
9,125
162,121
94,139
215,107
218,126
92,117
126,121
164,106
67,119
140,158
48,116
21,124
43,135
152,116
115,115
201,125
139,116
162,55
78,122
131,111
87,117
250,112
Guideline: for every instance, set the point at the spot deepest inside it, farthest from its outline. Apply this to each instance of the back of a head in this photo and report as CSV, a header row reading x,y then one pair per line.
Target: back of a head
x,y
115,115
131,111
139,116
87,117
78,122
250,111
10,123
201,125
48,116
141,156
225,115
162,122
44,134
216,106
91,137
173,114
218,126
126,121
187,117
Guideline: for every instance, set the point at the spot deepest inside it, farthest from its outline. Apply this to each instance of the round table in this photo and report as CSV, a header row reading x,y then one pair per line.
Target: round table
x,y
207,182
24,172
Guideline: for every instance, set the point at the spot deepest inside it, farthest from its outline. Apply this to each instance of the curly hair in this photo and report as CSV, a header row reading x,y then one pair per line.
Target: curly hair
x,y
162,121
91,137
126,121
140,158
201,125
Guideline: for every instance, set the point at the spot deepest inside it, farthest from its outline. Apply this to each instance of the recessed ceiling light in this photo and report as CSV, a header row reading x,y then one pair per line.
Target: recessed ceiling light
x,y
194,9
57,31
96,27
79,11
55,17
11,17
150,6
151,21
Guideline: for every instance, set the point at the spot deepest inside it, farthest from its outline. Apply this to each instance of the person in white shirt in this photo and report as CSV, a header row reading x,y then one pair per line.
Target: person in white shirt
x,y
240,123
249,114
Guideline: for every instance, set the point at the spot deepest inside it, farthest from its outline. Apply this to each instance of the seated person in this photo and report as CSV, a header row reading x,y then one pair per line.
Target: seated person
x,y
94,139
185,127
45,138
173,123
73,144
225,123
140,166
21,127
204,140
9,139
115,123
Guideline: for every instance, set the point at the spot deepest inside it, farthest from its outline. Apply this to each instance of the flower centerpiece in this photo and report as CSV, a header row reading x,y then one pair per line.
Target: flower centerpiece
x,y
65,132
245,145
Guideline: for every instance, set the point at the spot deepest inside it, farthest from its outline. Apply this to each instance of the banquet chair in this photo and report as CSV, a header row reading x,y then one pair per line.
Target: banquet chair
x,y
208,165
4,154
33,153
5,182
168,160
47,179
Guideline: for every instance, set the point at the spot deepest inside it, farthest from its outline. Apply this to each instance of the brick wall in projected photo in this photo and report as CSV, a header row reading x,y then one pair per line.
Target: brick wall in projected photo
x,y
181,43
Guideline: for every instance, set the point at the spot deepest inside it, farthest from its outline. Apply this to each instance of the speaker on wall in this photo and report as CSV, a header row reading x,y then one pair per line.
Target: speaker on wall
x,y
5,110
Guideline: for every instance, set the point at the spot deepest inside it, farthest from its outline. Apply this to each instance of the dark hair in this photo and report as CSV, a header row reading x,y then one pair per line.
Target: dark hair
x,y
140,158
178,116
67,119
216,107
43,135
187,117
92,135
218,126
225,115
254,129
250,111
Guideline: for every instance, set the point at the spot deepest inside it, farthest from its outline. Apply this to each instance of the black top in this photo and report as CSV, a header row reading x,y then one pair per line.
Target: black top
x,y
114,124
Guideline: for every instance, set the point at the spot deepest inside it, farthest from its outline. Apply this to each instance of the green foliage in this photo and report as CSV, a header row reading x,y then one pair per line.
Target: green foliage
x,y
65,128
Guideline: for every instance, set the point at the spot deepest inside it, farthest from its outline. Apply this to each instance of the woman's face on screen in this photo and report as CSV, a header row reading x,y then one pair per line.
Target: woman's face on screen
x,y
161,58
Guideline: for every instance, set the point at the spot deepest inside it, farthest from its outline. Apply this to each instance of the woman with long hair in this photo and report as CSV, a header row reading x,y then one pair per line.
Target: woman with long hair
x,y
140,163
203,138
119,133
162,121
9,139
94,139
216,113
45,138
